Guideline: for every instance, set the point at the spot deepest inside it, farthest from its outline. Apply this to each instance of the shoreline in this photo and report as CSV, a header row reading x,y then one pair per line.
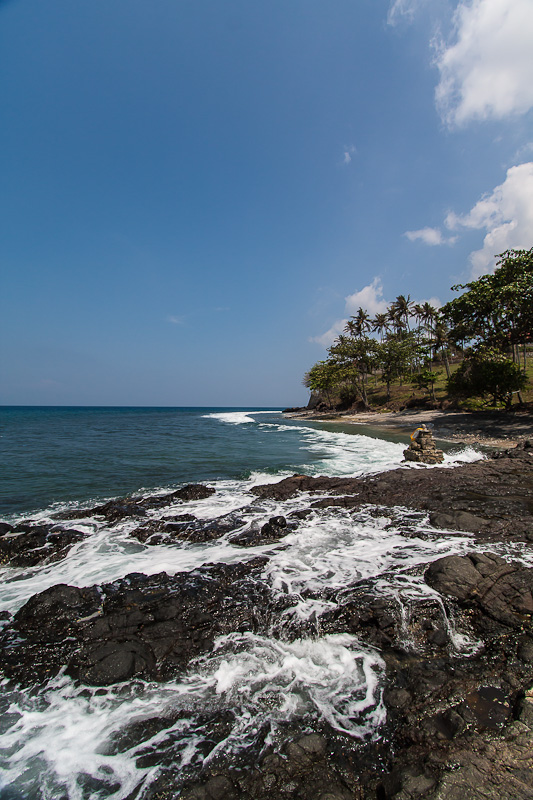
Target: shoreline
x,y
453,633
488,428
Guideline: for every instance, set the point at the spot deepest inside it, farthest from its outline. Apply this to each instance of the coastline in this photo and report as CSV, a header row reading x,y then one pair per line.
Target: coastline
x,y
488,428
419,580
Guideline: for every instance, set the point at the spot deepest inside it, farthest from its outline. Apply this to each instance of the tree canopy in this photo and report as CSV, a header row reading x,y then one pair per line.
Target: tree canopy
x,y
485,326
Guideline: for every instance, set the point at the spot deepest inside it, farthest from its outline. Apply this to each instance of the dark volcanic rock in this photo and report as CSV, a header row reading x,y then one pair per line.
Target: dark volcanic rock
x,y
115,510
194,492
492,498
502,590
272,531
27,545
140,626
187,528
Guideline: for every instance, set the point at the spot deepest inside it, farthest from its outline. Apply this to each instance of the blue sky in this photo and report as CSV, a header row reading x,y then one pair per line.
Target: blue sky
x,y
196,193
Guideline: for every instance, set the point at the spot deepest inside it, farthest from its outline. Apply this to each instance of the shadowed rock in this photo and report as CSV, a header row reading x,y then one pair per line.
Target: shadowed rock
x,y
502,590
140,626
27,545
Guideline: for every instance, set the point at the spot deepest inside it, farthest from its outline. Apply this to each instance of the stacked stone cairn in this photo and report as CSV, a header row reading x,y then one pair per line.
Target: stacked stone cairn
x,y
422,448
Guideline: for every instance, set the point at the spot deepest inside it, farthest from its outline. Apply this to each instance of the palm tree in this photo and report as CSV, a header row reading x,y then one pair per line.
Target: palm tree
x,y
429,315
394,318
359,325
380,324
404,307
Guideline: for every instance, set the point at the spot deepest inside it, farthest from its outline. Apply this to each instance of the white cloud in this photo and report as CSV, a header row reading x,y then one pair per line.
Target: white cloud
x,y
401,9
507,216
487,71
430,236
176,320
369,297
348,153
327,338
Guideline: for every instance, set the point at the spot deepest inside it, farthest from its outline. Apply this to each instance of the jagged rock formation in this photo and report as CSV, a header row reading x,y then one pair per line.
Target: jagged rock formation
x,y
422,448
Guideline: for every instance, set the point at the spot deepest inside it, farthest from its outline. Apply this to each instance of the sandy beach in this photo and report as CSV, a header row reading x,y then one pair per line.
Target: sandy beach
x,y
493,429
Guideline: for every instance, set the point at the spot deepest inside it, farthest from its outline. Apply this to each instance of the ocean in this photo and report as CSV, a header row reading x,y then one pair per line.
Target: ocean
x,y
57,740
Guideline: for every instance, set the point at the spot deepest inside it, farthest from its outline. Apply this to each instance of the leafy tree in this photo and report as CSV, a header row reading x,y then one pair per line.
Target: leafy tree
x,y
486,371
322,377
395,356
355,360
496,310
426,379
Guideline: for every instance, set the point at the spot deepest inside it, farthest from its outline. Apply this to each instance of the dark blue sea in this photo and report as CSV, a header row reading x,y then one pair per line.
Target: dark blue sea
x,y
57,454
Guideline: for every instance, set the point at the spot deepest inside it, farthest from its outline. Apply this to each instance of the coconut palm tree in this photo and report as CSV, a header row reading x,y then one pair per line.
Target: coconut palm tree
x,y
380,324
359,325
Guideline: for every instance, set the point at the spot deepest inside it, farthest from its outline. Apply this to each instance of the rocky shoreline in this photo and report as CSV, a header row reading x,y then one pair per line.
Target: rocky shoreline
x,y
491,428
458,663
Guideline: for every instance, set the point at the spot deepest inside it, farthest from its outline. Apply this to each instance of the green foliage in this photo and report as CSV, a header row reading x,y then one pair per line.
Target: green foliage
x,y
426,380
493,316
496,310
488,372
322,377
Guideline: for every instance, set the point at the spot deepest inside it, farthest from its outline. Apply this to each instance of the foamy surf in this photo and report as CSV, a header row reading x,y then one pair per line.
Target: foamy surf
x,y
70,737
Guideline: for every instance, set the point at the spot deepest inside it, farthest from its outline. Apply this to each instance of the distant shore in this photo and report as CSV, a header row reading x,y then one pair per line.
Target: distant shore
x,y
490,428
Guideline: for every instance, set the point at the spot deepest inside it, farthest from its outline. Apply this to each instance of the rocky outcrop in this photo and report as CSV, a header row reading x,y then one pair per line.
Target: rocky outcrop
x,y
422,449
141,626
501,590
491,498
115,510
272,531
459,658
27,544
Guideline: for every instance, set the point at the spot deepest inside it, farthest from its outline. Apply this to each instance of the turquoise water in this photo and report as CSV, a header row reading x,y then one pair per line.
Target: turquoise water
x,y
60,454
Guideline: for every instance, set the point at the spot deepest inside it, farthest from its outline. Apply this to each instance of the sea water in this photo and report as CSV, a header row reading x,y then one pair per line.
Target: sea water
x,y
60,742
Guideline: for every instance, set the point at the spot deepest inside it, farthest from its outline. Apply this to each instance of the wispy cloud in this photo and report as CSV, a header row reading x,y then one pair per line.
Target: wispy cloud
x,y
430,236
485,72
506,214
176,320
402,10
348,153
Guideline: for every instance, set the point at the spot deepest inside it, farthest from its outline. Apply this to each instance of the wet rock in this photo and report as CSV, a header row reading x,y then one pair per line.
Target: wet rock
x,y
497,491
140,626
27,545
458,520
186,528
115,510
5,527
501,590
272,531
304,767
193,491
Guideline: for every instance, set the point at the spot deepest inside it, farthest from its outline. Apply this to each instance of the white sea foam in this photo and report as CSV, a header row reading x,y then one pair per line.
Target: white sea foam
x,y
234,417
57,737
333,551
68,730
